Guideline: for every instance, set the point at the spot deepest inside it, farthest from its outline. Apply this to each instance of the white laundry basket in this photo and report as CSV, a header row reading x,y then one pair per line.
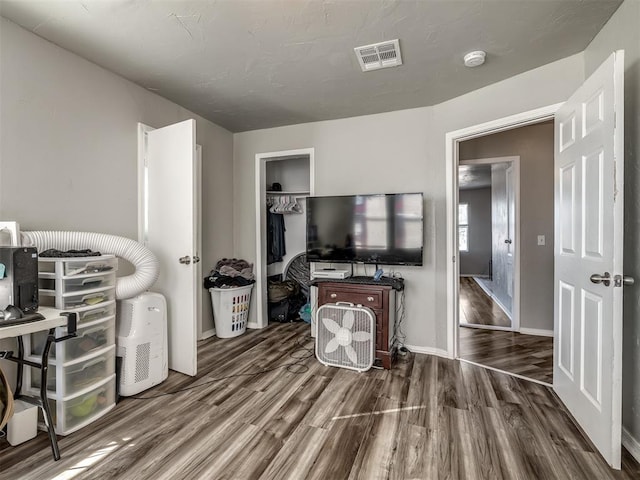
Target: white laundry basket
x,y
230,310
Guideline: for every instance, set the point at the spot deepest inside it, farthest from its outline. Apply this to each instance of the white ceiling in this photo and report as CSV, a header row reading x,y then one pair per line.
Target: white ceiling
x,y
250,64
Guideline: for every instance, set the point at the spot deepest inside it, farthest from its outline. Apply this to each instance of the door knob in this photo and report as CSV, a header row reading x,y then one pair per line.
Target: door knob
x,y
196,259
186,260
620,280
604,279
508,241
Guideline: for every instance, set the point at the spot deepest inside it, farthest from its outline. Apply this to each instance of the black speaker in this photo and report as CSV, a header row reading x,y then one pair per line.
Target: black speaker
x,y
19,285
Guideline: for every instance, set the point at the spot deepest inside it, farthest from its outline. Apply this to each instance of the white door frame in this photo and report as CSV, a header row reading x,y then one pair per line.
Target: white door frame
x,y
515,307
142,212
261,319
452,139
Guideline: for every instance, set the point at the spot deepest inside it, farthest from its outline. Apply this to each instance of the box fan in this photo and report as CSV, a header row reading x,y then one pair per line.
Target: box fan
x,y
346,336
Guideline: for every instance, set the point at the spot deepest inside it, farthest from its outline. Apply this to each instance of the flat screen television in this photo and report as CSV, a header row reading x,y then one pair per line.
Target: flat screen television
x,y
384,229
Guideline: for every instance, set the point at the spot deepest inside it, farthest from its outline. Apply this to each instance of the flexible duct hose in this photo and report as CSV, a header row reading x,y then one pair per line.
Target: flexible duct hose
x,y
145,262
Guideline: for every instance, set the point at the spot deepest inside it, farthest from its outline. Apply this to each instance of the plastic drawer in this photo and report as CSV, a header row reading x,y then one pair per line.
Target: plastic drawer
x,y
91,337
79,283
95,313
79,266
86,298
71,414
71,378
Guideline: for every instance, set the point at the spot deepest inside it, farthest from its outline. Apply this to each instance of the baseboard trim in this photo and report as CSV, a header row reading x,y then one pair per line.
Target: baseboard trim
x,y
486,327
537,331
207,334
428,351
631,444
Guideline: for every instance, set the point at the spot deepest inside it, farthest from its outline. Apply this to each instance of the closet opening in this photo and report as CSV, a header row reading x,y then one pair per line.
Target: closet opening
x,y
284,180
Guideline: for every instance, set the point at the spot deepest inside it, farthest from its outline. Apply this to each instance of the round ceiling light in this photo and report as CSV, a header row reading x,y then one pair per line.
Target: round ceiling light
x,y
474,59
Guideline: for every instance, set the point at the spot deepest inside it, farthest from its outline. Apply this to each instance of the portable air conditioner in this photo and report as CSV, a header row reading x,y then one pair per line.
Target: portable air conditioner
x,y
346,336
142,342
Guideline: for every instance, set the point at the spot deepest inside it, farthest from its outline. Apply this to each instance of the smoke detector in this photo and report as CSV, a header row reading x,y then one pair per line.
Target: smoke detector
x,y
379,55
474,59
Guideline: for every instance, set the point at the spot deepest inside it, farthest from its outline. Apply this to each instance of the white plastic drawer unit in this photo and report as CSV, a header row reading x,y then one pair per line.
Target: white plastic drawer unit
x,y
68,379
72,413
90,338
77,283
70,267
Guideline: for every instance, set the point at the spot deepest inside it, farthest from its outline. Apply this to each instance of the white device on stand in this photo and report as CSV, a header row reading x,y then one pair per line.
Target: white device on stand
x,y
334,273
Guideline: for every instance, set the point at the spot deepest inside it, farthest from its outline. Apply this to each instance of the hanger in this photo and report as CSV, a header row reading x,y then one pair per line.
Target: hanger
x,y
283,204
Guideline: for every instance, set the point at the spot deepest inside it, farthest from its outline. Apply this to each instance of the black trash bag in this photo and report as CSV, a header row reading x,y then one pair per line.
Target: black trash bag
x,y
279,290
287,309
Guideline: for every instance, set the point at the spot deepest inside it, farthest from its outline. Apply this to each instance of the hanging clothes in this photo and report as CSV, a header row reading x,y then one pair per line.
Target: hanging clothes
x,y
276,248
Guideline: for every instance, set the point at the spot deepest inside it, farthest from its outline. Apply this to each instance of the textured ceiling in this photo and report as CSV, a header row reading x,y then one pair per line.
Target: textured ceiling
x,y
249,64
474,176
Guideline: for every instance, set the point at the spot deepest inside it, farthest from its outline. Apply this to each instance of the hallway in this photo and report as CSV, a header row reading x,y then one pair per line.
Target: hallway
x,y
530,356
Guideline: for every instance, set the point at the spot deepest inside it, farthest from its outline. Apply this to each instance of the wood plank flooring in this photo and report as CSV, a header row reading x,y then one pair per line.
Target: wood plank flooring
x,y
427,418
477,308
528,355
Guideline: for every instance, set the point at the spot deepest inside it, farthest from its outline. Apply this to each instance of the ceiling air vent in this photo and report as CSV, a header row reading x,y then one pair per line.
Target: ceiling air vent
x,y
379,55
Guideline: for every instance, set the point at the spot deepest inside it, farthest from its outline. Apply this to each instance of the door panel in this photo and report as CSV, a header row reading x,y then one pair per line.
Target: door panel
x,y
591,348
568,209
171,234
589,231
564,336
501,252
511,231
592,198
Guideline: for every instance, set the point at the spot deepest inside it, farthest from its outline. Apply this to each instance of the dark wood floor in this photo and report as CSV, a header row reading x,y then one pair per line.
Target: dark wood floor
x,y
528,355
428,418
477,308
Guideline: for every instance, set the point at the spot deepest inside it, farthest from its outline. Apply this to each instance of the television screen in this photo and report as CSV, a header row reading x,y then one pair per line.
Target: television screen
x,y
385,229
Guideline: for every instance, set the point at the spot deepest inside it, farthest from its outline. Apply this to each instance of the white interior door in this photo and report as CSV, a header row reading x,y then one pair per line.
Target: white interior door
x,y
511,231
501,251
589,241
171,234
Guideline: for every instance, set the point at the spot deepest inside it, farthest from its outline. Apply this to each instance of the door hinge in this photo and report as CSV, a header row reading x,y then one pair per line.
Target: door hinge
x,y
453,259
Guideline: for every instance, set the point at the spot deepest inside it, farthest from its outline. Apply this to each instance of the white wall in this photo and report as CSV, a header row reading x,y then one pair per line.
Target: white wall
x,y
68,146
621,32
402,151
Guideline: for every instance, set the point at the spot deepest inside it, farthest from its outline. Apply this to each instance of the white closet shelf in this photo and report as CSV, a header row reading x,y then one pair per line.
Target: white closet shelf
x,y
273,192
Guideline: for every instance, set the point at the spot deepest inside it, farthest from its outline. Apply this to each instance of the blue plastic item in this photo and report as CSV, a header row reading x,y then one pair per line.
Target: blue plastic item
x,y
305,312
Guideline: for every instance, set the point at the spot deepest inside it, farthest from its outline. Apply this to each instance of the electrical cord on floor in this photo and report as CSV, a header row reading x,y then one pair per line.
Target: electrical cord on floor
x,y
400,312
297,368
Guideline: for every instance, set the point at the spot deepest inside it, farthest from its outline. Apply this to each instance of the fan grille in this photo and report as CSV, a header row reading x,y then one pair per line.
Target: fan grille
x,y
346,336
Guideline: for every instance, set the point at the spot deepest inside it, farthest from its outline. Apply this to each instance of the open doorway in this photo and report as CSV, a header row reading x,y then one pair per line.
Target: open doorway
x,y
488,237
283,179
505,232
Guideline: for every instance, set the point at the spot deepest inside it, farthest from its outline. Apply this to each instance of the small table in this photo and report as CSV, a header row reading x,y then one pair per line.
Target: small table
x,y
52,319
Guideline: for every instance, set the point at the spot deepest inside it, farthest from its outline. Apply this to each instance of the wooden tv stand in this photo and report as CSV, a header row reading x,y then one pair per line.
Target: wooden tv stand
x,y
379,296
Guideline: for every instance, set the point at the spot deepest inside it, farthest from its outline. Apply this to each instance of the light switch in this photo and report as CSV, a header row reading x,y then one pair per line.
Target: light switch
x,y
541,240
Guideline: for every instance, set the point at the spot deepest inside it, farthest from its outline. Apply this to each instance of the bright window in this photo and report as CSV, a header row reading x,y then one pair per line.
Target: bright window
x,y
463,227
